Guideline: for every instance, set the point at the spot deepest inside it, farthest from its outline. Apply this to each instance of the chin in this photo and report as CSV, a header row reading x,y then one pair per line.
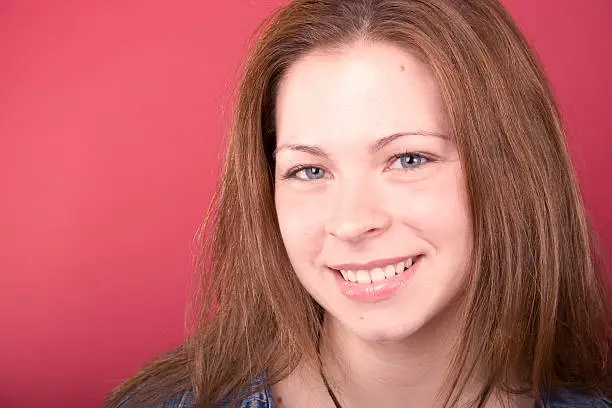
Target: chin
x,y
381,330
385,336
406,324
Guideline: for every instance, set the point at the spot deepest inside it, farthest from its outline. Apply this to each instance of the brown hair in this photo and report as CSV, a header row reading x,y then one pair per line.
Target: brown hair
x,y
536,307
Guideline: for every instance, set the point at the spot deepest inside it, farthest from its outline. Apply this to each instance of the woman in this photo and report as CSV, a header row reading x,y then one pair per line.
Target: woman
x,y
397,224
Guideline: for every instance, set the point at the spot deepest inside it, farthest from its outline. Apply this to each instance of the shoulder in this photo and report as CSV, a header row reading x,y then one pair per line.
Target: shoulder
x,y
261,399
569,399
183,400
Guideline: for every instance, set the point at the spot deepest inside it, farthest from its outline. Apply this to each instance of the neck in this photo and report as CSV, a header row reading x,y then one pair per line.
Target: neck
x,y
410,372
366,373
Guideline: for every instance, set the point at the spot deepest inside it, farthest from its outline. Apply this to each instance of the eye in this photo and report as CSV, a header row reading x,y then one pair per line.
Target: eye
x,y
408,161
306,173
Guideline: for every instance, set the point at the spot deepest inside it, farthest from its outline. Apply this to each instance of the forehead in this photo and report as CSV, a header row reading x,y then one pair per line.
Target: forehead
x,y
354,93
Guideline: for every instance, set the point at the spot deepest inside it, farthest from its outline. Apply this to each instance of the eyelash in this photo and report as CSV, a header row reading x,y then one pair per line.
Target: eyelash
x,y
291,174
427,158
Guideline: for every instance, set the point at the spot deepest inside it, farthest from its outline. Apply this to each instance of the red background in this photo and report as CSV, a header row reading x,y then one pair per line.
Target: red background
x,y
111,122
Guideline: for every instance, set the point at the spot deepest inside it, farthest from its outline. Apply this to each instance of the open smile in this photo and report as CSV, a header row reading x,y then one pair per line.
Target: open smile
x,y
375,281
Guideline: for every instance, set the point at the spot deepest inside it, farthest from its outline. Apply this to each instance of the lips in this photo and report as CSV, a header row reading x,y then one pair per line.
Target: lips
x,y
369,290
378,273
379,263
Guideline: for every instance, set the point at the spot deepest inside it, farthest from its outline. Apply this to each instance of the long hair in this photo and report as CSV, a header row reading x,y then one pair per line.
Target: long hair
x,y
537,300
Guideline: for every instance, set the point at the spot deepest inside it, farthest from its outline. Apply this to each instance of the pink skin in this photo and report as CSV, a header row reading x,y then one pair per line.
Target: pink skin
x,y
347,115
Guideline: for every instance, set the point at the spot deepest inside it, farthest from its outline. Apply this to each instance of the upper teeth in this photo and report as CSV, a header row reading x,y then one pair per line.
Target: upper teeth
x,y
376,274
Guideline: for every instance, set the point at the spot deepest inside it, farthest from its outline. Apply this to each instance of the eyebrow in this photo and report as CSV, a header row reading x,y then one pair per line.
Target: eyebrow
x,y
374,147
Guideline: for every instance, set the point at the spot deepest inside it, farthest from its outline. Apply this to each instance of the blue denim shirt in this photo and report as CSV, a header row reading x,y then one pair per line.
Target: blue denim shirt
x,y
263,399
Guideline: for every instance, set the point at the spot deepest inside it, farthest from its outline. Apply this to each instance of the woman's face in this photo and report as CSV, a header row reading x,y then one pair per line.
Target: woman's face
x,y
370,194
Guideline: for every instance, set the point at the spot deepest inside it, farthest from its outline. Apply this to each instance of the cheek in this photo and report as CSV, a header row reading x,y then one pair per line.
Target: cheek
x,y
453,230
437,211
301,223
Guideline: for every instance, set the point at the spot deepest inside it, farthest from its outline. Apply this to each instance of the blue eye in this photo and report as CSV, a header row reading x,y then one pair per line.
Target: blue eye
x,y
307,173
408,161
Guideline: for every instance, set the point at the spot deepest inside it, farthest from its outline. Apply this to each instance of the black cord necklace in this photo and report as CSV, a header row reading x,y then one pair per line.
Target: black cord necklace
x,y
337,404
329,391
331,394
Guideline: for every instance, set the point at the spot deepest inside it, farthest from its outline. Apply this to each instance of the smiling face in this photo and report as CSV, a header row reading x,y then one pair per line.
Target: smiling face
x,y
369,190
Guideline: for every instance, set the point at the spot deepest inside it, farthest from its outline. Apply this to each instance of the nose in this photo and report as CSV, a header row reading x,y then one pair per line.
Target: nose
x,y
359,213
